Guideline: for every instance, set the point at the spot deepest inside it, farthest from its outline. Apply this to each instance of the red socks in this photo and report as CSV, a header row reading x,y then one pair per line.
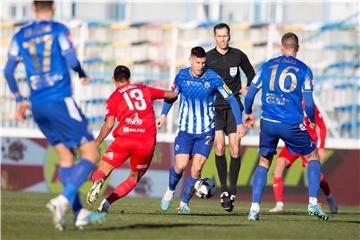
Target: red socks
x,y
97,175
278,187
122,190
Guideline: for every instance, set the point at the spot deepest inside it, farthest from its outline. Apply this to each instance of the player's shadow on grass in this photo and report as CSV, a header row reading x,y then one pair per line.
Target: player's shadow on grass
x,y
193,214
165,225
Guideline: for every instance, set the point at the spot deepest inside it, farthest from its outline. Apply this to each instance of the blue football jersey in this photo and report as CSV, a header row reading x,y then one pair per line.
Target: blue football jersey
x,y
41,46
197,98
283,81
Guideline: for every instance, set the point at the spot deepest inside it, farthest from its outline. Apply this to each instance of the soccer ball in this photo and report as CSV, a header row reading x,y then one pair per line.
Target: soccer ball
x,y
204,188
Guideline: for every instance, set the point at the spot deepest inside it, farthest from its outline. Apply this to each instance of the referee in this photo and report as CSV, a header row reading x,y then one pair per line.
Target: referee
x,y
227,61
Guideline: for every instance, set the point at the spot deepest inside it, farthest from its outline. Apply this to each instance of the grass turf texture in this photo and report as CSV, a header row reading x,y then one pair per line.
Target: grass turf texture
x,y
24,216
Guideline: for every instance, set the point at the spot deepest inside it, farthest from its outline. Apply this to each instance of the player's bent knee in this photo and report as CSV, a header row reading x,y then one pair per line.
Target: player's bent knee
x,y
314,155
89,151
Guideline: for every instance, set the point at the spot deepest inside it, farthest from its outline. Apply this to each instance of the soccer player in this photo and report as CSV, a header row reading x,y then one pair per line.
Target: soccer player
x,y
285,81
45,48
227,61
285,160
198,87
135,134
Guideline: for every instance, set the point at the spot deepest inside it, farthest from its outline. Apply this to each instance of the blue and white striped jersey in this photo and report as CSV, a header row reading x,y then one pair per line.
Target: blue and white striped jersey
x,y
197,98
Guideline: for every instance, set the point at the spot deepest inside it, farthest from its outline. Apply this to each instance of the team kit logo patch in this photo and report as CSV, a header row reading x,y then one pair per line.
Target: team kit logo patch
x,y
233,71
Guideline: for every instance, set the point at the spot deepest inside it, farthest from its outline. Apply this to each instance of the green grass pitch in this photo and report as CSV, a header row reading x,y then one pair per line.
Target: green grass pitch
x,y
24,216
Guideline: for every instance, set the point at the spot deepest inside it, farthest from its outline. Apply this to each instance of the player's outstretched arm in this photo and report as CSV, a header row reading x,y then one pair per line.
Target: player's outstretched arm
x,y
105,130
69,54
170,96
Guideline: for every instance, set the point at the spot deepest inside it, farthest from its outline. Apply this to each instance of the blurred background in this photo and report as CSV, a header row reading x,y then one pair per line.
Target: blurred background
x,y
154,39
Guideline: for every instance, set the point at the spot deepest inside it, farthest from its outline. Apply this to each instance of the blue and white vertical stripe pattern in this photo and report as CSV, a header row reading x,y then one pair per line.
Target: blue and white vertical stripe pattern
x,y
197,98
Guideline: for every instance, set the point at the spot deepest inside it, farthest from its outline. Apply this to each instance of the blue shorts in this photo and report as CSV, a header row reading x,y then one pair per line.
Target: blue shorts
x,y
62,122
188,143
295,137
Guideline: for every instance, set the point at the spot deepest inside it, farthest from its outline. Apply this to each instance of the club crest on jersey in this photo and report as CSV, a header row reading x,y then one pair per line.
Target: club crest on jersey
x,y
206,85
233,71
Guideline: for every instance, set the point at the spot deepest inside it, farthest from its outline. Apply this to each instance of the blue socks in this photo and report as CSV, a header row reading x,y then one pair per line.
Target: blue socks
x,y
79,175
259,182
189,185
65,174
174,178
313,176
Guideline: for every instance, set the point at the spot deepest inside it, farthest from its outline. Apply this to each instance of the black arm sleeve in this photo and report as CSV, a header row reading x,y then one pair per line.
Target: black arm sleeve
x,y
248,69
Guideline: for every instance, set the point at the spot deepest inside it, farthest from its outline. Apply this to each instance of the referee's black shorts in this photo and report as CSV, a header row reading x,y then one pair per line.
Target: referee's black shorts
x,y
225,120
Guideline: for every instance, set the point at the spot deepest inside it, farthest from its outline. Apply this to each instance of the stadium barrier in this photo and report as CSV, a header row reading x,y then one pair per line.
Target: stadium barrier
x,y
29,165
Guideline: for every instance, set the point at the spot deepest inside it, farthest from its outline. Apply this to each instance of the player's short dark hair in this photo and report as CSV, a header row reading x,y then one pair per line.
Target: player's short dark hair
x,y
220,26
290,41
198,52
43,5
121,73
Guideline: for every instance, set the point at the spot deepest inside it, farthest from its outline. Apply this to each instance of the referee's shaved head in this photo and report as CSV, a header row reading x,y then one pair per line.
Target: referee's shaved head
x,y
290,41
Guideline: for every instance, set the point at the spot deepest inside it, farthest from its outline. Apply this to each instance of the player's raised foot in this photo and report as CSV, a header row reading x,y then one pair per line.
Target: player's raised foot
x,y
94,191
184,209
225,201
332,204
104,206
278,208
57,207
317,211
253,216
85,217
166,200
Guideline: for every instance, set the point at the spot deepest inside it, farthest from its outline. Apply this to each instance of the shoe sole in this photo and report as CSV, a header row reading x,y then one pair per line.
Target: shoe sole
x,y
93,194
59,226
320,217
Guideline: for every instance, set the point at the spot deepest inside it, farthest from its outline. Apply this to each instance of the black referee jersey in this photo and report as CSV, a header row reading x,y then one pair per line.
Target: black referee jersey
x,y
227,66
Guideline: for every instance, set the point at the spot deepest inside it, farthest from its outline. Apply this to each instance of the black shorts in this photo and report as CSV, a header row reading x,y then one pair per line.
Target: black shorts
x,y
225,120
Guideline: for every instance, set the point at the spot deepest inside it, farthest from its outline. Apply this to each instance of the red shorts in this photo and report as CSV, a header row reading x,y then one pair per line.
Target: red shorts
x,y
140,151
284,153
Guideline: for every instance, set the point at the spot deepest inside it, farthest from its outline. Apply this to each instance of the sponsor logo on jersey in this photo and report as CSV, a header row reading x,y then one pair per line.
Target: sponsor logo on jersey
x,y
177,147
233,71
134,120
227,89
142,166
133,130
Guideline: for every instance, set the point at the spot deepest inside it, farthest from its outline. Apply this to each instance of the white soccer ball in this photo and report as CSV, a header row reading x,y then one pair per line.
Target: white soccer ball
x,y
204,188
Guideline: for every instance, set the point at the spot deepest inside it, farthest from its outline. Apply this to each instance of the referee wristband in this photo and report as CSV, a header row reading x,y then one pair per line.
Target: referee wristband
x,y
19,99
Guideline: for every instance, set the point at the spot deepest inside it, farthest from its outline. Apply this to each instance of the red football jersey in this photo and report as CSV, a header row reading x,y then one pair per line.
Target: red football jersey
x,y
131,105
